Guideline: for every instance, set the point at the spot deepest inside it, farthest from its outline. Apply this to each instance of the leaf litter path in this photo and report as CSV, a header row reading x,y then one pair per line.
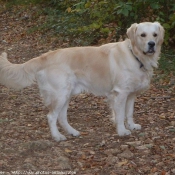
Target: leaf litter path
x,y
25,140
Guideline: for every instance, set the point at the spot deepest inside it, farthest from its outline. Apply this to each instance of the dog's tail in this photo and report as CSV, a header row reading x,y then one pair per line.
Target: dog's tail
x,y
18,76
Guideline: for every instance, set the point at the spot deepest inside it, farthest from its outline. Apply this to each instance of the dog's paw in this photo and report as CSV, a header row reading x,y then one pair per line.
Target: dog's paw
x,y
59,137
134,127
75,133
124,132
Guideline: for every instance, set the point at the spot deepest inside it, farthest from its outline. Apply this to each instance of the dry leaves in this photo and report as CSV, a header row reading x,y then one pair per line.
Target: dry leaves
x,y
25,141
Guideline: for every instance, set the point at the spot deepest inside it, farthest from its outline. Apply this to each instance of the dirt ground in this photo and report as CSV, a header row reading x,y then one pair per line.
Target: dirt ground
x,y
26,146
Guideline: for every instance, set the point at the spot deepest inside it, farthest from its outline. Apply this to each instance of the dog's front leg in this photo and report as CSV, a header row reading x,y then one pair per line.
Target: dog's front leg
x,y
129,113
118,100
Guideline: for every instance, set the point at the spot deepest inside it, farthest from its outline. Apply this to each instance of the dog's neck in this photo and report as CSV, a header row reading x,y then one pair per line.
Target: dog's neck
x,y
147,63
141,64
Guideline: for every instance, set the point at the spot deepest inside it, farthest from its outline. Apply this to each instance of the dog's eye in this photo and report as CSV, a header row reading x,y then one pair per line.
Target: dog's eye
x,y
155,34
143,35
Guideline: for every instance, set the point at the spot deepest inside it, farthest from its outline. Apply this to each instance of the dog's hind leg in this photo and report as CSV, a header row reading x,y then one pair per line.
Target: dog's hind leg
x,y
58,104
52,85
64,123
58,111
52,120
55,84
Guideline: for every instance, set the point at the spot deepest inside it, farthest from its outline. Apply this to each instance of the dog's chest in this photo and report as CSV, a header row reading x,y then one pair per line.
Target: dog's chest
x,y
141,82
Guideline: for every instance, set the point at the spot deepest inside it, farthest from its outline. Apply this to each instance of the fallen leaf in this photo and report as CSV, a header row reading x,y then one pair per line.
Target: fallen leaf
x,y
119,164
163,172
84,133
67,150
92,152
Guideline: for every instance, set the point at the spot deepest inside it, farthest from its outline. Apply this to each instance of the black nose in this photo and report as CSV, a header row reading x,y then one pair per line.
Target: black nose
x,y
151,43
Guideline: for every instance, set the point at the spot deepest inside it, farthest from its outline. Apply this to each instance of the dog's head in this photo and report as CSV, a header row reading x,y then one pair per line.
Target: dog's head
x,y
146,36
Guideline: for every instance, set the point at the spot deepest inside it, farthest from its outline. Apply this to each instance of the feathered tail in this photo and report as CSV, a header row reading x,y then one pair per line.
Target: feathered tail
x,y
18,76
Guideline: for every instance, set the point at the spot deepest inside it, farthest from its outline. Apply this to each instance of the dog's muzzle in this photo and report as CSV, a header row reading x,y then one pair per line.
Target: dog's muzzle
x,y
151,48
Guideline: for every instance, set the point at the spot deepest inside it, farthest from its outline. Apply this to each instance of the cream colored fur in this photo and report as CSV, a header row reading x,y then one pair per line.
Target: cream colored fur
x,y
110,70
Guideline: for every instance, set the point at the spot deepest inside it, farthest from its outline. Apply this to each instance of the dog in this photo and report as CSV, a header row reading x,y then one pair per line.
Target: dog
x,y
118,71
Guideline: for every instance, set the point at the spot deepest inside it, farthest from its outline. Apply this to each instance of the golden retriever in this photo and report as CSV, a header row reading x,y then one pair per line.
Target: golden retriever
x,y
118,71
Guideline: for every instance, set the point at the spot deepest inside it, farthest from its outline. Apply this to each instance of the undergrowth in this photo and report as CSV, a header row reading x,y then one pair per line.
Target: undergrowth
x,y
85,22
167,61
165,75
91,22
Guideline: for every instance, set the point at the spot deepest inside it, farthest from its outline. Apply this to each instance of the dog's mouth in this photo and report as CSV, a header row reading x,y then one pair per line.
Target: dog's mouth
x,y
150,51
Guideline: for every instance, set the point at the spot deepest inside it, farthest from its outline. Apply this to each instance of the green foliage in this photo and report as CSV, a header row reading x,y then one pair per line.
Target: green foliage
x,y
9,3
167,61
94,19
84,22
165,74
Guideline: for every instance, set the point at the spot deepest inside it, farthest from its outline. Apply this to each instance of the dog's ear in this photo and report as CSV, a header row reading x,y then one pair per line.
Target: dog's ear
x,y
131,32
162,31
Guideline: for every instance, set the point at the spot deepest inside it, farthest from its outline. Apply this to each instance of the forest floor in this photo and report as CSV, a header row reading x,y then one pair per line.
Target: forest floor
x,y
26,146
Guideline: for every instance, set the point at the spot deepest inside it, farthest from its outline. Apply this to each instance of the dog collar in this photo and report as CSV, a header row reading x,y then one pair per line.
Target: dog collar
x,y
141,64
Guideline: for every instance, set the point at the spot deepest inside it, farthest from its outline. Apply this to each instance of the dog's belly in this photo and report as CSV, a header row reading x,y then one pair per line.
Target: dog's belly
x,y
99,89
93,82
